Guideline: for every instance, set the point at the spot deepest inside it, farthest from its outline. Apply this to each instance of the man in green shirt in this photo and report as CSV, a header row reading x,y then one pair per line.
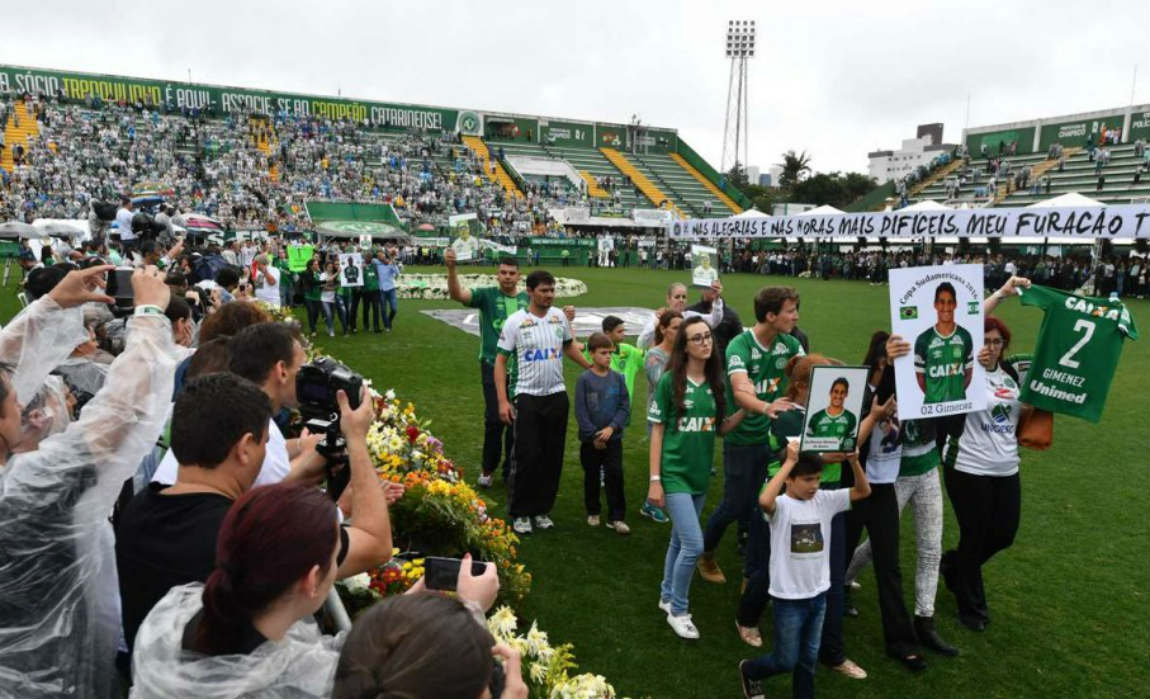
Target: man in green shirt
x,y
370,297
495,304
287,279
756,373
944,353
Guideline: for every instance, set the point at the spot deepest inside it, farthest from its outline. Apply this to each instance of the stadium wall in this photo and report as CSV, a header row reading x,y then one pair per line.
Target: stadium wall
x,y
1036,135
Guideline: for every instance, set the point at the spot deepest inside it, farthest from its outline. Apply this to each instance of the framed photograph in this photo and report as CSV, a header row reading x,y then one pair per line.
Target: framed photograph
x,y
938,310
463,242
351,270
834,409
704,265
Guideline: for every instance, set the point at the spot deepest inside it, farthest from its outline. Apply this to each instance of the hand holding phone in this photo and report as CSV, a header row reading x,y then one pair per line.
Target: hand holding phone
x,y
476,581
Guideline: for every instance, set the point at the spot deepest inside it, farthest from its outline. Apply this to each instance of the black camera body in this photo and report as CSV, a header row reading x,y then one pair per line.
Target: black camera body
x,y
316,385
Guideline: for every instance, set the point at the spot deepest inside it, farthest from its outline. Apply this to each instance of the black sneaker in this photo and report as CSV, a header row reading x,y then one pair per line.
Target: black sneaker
x,y
751,688
929,638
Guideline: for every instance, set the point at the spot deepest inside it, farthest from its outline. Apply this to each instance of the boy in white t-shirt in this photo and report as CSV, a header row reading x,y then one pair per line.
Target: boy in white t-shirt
x,y
800,566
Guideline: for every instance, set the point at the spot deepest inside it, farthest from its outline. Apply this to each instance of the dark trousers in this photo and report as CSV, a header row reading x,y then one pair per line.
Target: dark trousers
x,y
314,308
497,437
879,514
370,309
609,463
988,511
744,468
832,651
756,596
540,435
353,308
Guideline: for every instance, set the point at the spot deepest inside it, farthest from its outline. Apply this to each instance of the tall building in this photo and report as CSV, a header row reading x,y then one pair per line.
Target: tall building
x,y
893,164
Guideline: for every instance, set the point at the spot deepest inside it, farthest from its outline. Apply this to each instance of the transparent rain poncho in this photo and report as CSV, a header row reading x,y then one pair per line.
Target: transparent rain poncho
x,y
301,665
59,621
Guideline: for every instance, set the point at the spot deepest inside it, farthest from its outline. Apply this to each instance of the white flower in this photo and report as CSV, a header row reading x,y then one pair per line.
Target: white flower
x,y
502,623
357,583
537,641
389,395
538,672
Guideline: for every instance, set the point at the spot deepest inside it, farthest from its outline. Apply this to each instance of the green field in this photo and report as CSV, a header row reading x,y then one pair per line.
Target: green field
x,y
1068,600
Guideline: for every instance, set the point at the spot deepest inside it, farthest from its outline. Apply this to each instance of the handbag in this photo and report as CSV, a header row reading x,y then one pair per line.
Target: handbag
x,y
1037,431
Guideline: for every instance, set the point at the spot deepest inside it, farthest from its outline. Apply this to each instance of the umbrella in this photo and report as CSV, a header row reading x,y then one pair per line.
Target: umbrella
x,y
62,228
19,229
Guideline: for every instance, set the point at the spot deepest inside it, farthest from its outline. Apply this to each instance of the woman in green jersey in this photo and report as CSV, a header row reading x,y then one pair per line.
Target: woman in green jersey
x,y
654,365
688,409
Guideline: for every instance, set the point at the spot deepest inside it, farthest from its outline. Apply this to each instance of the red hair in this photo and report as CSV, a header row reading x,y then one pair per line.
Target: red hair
x,y
270,539
993,323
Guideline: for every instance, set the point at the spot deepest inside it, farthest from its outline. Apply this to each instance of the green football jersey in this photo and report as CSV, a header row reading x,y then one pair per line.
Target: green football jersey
x,y
944,362
494,308
688,439
764,367
841,427
1078,348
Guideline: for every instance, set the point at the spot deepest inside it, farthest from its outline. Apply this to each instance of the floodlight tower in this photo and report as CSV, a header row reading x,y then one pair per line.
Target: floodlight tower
x,y
740,47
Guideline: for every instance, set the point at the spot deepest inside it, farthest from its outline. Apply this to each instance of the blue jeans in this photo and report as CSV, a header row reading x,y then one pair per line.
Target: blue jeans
x,y
389,305
798,627
684,549
744,468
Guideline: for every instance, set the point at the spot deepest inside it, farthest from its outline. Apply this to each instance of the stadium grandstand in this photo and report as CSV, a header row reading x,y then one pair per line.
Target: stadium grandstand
x,y
254,159
1101,155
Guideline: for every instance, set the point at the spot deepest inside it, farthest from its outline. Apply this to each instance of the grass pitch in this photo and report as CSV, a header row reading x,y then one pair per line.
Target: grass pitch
x,y
1069,600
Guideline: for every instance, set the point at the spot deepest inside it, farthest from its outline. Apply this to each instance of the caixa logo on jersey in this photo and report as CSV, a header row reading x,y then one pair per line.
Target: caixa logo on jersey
x,y
540,354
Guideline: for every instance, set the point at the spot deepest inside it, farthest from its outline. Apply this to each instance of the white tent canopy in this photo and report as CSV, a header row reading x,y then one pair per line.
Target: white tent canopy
x,y
926,205
1070,199
751,213
824,210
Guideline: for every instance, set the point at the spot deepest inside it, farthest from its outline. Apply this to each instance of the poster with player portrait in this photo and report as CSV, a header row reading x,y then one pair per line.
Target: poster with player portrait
x,y
938,310
704,265
834,409
463,241
350,270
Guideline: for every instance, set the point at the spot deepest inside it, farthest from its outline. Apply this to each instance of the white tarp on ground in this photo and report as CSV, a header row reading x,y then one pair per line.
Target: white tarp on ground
x,y
587,320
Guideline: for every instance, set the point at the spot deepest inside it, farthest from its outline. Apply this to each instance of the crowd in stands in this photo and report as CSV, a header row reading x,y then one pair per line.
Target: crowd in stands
x,y
249,171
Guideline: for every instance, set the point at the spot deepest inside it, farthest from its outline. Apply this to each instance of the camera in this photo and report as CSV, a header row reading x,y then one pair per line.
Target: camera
x,y
316,386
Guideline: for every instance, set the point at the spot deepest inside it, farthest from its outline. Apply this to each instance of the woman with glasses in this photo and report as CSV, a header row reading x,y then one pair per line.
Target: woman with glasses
x,y
981,471
688,409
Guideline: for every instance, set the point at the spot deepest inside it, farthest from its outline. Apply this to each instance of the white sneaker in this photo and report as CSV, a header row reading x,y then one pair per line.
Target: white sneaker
x,y
683,626
619,526
522,526
544,522
593,520
485,480
665,605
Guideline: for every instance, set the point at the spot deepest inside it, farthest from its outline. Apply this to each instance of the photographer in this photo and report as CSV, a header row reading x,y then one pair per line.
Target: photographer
x,y
58,628
167,535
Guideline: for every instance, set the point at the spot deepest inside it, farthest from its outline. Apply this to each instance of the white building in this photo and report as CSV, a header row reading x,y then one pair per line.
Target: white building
x,y
891,165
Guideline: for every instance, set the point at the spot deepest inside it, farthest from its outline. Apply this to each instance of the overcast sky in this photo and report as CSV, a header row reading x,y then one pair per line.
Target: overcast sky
x,y
825,78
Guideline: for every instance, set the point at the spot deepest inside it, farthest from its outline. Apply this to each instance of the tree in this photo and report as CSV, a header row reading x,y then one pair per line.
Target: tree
x,y
737,176
795,167
833,188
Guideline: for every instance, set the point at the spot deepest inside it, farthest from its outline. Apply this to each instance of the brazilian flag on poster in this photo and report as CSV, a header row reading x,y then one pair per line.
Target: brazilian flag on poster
x,y
908,313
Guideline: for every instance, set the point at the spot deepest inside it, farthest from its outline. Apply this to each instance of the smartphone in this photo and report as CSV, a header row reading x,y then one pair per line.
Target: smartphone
x,y
118,285
441,573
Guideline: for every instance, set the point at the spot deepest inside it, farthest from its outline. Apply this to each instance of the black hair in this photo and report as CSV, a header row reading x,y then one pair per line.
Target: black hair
x,y
256,350
178,310
176,278
42,280
227,277
212,356
843,381
538,277
808,463
416,646
945,287
610,323
712,370
212,413
509,261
